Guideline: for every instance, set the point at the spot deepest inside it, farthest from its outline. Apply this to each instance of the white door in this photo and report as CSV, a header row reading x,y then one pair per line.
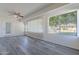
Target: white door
x,y
8,28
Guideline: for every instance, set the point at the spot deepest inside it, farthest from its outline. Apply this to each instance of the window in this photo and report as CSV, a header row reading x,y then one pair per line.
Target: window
x,y
63,24
35,26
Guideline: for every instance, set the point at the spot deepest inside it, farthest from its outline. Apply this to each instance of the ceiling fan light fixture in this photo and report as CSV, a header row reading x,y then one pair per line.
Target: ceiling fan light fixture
x,y
15,16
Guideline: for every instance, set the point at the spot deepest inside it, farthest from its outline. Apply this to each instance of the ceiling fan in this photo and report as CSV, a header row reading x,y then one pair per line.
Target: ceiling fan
x,y
17,15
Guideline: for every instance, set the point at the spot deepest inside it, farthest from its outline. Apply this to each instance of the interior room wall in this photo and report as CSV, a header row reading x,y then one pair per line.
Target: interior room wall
x,y
17,28
65,40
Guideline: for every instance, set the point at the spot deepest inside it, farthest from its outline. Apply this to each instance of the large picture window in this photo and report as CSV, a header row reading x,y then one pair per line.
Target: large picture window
x,y
35,26
63,24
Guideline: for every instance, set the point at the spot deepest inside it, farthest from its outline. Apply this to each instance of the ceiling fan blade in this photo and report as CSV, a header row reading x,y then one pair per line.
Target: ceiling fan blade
x,y
17,14
12,12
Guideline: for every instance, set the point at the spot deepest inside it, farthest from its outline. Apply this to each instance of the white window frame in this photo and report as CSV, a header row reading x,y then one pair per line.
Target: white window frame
x,y
77,28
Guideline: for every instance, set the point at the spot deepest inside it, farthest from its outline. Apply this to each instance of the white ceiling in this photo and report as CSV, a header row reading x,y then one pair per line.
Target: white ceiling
x,y
23,8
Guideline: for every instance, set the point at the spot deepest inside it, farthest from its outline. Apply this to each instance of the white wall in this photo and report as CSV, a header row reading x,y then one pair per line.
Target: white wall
x,y
17,28
35,35
69,41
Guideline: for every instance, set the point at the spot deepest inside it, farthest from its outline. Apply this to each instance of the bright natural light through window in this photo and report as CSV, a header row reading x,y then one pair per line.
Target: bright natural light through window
x,y
35,26
63,24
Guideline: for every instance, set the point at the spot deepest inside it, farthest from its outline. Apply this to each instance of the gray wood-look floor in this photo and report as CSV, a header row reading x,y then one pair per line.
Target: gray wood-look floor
x,y
23,45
